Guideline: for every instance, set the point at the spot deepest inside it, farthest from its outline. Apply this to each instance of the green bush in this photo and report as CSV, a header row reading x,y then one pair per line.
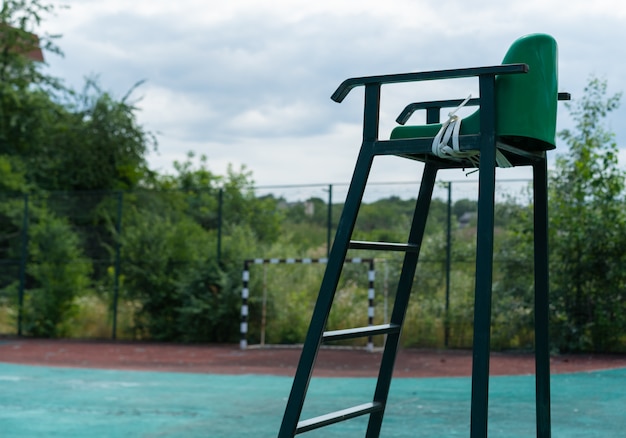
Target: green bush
x,y
58,273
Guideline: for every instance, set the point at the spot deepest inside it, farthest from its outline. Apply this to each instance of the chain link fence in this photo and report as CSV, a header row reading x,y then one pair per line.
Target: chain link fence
x,y
98,223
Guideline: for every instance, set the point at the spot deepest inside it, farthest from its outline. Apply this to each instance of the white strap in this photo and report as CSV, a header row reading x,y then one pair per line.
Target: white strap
x,y
451,129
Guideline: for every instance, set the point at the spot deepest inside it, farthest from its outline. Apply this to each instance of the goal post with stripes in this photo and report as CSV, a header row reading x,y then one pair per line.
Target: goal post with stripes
x,y
245,291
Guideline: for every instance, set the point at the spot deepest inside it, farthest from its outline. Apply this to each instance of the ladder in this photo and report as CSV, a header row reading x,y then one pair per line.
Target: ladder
x,y
420,149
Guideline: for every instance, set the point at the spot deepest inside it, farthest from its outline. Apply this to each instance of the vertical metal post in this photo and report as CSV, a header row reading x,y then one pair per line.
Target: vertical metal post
x,y
23,262
116,274
329,222
432,115
220,211
446,329
245,293
542,317
484,260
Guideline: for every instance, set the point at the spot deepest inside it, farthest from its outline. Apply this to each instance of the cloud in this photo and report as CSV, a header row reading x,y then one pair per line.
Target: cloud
x,y
249,82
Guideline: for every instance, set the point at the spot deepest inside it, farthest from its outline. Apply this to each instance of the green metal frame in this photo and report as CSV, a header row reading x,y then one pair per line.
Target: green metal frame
x,y
420,149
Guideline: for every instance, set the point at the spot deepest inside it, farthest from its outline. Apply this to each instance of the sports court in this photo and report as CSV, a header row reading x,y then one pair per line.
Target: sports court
x,y
71,401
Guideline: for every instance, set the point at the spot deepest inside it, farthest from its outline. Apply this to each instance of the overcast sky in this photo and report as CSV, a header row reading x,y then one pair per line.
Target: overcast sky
x,y
249,82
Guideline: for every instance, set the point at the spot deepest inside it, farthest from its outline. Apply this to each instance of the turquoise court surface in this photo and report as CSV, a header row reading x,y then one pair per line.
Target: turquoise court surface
x,y
71,402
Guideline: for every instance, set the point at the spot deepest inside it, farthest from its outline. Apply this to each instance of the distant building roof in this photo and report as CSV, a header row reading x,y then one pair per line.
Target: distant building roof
x,y
35,52
29,47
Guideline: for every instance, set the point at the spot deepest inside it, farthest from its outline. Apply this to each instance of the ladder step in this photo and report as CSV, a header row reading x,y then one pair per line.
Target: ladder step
x,y
384,246
336,417
360,332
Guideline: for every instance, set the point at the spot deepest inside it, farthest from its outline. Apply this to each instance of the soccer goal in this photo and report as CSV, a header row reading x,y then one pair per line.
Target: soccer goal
x,y
245,292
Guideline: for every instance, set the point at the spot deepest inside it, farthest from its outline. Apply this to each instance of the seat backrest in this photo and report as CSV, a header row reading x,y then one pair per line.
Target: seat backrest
x,y
526,103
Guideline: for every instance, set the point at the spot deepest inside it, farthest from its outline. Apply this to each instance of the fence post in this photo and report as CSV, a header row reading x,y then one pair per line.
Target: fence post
x,y
220,212
245,294
23,262
116,274
371,276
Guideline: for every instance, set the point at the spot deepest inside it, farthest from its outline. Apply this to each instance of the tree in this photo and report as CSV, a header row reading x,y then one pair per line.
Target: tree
x,y
170,268
99,145
588,224
168,274
19,46
53,138
58,275
67,140
23,101
201,188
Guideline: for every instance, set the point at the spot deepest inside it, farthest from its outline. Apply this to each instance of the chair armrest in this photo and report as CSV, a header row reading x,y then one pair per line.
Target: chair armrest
x,y
436,105
408,111
346,86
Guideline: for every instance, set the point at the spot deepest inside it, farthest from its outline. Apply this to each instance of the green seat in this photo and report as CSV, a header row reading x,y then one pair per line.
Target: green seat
x,y
525,103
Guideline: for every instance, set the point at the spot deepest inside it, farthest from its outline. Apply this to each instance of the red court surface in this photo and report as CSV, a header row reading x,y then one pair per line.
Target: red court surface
x,y
280,361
